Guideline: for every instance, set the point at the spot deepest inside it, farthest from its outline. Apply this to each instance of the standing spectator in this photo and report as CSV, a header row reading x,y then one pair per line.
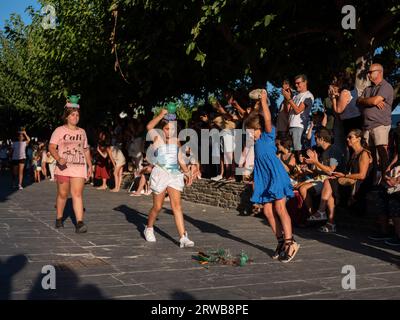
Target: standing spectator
x,y
37,163
19,157
344,103
118,160
282,122
102,158
43,153
3,156
376,104
51,163
299,111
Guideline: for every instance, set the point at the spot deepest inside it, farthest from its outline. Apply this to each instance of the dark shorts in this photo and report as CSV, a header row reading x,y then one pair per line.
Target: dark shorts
x,y
17,162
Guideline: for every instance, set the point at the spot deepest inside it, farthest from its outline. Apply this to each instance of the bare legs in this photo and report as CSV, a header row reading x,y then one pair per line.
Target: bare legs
x,y
158,200
117,178
75,186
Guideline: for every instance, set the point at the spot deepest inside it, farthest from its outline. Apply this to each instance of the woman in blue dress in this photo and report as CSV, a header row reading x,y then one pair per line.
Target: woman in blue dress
x,y
271,182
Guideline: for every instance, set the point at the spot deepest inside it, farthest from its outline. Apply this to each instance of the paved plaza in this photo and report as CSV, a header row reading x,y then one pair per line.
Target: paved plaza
x,y
113,261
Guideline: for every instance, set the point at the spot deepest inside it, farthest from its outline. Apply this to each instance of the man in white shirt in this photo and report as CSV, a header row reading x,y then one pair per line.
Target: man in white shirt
x,y
299,110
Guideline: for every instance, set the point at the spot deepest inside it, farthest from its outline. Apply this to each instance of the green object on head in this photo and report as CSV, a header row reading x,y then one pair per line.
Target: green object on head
x,y
171,107
74,98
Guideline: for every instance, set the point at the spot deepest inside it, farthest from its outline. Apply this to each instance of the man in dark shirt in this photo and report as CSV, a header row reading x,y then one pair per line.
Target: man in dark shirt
x,y
376,105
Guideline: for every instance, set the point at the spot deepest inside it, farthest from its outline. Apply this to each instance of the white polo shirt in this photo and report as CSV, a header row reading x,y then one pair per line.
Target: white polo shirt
x,y
301,120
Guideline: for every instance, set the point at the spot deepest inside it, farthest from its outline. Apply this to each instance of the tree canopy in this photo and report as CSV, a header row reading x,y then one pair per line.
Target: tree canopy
x,y
119,54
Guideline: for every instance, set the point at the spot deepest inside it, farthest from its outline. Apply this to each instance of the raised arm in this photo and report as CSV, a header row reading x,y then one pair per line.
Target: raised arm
x,y
236,105
340,103
266,112
26,137
153,123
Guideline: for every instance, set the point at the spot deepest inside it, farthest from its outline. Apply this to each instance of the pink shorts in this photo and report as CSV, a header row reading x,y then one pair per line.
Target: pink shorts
x,y
62,179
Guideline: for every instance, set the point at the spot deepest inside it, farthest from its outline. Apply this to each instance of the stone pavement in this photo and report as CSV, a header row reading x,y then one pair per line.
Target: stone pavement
x,y
112,261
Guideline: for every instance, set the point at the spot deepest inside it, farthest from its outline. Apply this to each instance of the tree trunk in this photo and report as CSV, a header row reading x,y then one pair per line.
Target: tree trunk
x,y
362,63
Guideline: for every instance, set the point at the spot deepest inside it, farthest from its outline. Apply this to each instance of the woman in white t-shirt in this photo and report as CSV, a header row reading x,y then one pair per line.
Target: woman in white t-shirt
x,y
19,157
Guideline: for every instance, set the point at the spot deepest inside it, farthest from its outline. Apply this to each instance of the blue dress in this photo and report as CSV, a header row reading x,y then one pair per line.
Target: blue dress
x,y
271,181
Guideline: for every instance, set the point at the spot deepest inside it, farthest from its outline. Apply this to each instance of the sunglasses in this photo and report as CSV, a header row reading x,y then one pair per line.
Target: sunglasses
x,y
297,83
350,137
369,72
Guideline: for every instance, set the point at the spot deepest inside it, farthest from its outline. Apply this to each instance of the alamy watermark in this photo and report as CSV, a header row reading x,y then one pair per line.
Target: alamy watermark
x,y
349,280
349,20
49,280
49,20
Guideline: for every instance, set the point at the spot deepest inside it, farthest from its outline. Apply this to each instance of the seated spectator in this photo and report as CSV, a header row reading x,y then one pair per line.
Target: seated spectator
x,y
288,159
193,165
318,121
329,161
102,165
356,179
143,177
393,212
344,96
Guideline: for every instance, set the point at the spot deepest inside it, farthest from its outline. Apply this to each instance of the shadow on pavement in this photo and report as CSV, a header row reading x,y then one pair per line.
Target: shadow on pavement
x,y
207,227
351,241
6,188
8,270
181,295
68,287
140,220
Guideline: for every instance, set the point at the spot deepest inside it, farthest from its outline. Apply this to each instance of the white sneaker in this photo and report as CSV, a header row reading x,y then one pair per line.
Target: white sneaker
x,y
149,234
185,242
20,187
217,178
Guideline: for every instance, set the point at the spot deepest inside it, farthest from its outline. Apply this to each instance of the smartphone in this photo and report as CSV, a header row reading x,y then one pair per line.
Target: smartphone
x,y
61,166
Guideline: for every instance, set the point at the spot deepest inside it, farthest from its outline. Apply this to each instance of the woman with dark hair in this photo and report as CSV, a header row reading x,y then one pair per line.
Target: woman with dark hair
x,y
344,102
356,179
166,175
69,147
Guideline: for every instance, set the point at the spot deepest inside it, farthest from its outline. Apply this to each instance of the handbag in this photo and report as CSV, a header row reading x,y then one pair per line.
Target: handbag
x,y
394,173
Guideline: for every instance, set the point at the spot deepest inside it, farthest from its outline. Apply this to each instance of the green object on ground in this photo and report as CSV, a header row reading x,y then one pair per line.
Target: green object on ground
x,y
222,256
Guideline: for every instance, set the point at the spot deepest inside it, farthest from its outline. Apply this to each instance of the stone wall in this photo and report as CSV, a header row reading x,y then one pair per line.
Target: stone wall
x,y
232,195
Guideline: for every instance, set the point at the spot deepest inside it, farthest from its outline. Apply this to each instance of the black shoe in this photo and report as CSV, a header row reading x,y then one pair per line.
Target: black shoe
x,y
59,223
291,249
81,227
278,250
380,236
